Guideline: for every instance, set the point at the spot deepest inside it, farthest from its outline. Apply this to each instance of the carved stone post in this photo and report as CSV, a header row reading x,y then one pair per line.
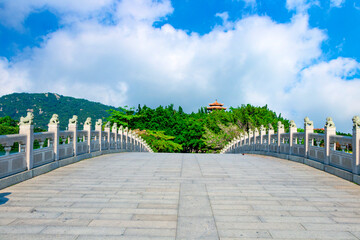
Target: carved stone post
x,y
234,144
87,128
270,132
251,136
130,146
280,130
121,140
262,133
308,128
238,144
137,143
356,145
330,130
73,127
256,134
107,130
27,128
53,127
246,139
98,128
126,138
116,139
140,144
134,141
292,130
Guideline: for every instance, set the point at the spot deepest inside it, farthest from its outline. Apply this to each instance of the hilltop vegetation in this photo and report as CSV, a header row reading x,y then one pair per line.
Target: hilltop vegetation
x,y
44,105
194,132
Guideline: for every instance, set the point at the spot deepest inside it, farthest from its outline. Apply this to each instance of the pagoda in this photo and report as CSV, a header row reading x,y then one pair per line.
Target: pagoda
x,y
216,106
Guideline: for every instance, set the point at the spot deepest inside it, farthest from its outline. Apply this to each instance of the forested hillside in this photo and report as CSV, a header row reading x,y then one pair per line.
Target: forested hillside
x,y
44,105
172,130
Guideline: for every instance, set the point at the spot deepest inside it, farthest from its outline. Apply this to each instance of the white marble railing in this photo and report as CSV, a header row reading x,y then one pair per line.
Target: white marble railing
x,y
307,144
63,144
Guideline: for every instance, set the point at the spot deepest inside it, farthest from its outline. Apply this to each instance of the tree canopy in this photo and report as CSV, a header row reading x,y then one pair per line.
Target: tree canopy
x,y
194,132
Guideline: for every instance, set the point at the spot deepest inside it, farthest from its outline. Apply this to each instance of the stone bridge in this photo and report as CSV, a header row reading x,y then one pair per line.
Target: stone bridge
x,y
106,184
58,148
181,196
335,154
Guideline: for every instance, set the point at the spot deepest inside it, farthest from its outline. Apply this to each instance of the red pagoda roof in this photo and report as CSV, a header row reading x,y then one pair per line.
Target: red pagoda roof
x,y
216,106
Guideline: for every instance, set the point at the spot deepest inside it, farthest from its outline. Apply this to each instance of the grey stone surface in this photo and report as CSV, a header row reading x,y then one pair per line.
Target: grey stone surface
x,y
181,196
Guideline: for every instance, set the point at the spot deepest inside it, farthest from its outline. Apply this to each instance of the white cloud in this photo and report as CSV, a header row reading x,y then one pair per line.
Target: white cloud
x,y
336,3
12,79
144,9
251,3
256,61
14,12
301,6
327,89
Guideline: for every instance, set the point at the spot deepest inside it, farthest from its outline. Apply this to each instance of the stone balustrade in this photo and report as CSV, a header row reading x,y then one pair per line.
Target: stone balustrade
x,y
314,149
73,144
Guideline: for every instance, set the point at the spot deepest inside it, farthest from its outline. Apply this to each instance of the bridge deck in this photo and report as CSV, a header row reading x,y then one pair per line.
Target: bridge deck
x,y
181,196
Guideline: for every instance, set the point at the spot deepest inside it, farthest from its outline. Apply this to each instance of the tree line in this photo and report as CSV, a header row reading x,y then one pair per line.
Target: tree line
x,y
168,129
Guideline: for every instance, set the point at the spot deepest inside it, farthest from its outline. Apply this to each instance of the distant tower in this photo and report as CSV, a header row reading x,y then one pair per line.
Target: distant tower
x,y
216,106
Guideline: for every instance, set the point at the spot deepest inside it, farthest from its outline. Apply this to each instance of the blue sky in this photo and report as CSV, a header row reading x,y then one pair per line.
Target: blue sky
x,y
342,23
301,57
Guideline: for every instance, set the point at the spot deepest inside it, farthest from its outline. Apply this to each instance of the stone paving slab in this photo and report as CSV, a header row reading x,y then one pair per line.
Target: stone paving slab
x,y
181,196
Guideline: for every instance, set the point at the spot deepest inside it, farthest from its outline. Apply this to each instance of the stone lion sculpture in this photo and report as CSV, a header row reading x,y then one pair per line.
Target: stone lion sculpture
x,y
28,120
114,127
98,122
329,123
107,125
292,124
54,119
73,120
307,122
270,126
88,121
262,128
280,125
356,121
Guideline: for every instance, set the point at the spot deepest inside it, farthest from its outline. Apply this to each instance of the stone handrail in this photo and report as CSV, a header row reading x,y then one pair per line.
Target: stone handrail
x,y
72,143
318,150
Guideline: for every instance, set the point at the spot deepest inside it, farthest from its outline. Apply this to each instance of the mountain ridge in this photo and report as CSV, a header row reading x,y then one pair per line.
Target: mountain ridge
x,y
44,105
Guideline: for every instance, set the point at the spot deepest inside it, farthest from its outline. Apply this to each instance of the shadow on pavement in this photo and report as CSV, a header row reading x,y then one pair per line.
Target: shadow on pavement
x,y
3,198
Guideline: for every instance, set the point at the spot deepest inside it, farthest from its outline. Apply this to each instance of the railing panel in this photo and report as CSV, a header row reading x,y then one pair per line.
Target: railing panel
x,y
82,148
43,156
95,146
341,160
317,153
284,148
12,164
66,150
298,150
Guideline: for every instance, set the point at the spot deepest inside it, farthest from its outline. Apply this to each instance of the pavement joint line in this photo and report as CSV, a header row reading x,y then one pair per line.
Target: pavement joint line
x,y
178,205
212,211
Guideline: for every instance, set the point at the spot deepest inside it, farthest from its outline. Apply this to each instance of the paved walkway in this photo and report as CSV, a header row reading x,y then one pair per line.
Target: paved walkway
x,y
181,196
